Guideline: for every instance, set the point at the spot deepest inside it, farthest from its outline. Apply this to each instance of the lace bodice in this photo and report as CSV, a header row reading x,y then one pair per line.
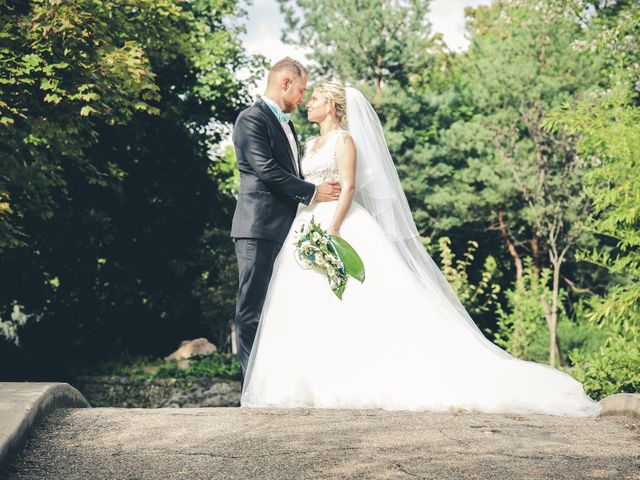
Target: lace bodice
x,y
320,165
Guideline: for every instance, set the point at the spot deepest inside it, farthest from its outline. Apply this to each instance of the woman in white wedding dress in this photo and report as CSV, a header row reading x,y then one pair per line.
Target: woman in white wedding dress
x,y
399,341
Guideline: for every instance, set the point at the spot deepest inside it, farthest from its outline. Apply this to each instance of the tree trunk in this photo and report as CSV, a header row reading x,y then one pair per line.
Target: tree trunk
x,y
511,247
516,349
378,71
552,313
535,251
234,346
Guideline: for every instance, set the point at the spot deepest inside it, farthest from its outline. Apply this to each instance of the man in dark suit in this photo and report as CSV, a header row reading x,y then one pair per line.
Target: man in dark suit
x,y
271,187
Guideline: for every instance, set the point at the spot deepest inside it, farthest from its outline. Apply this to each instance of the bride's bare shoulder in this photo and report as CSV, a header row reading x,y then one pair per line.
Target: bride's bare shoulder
x,y
345,148
344,138
344,135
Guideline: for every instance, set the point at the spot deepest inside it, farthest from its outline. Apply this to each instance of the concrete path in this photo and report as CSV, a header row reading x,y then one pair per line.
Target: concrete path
x,y
24,404
239,443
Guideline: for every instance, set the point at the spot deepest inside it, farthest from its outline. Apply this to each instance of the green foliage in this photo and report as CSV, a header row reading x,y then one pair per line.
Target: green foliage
x,y
607,124
522,327
519,65
478,296
63,64
203,366
226,170
610,136
614,368
363,41
352,262
522,323
108,190
215,289
214,365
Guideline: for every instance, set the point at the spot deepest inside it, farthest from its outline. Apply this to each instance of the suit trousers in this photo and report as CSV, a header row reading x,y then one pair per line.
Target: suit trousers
x,y
255,266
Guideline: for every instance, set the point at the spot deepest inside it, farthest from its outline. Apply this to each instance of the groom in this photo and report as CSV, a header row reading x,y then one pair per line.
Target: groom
x,y
271,187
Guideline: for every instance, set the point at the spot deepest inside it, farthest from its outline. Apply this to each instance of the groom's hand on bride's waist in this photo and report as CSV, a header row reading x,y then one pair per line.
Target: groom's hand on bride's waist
x,y
327,191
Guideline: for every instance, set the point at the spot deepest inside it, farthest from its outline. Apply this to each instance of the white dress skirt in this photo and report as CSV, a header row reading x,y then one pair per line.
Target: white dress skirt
x,y
389,343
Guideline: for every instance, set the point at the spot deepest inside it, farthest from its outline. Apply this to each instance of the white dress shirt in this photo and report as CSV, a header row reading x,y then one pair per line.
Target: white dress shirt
x,y
287,130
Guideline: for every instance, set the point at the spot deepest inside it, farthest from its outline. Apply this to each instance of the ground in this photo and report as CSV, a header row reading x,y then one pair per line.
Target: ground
x,y
228,443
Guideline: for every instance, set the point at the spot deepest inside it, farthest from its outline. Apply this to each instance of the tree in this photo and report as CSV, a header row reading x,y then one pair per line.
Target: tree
x,y
115,201
61,63
608,127
494,168
363,41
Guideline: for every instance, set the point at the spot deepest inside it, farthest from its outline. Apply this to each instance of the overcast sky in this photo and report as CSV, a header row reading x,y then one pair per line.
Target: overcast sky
x,y
265,23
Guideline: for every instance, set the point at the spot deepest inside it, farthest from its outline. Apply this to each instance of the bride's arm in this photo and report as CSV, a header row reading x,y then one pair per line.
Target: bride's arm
x,y
346,162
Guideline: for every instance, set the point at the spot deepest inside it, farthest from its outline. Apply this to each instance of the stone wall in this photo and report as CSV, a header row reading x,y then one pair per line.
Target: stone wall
x,y
117,391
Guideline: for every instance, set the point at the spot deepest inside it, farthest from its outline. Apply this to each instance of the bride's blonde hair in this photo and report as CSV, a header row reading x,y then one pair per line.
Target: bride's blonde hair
x,y
334,91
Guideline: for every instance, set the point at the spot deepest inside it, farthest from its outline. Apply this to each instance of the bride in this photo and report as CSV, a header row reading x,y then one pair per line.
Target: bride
x,y
399,341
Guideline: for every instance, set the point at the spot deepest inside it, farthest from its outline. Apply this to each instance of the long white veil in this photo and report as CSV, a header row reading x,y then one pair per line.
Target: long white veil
x,y
379,191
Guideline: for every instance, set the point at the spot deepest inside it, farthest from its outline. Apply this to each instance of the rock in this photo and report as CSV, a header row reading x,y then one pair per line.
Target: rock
x,y
183,363
190,348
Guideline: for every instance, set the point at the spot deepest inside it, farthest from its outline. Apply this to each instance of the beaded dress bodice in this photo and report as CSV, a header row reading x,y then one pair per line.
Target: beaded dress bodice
x,y
319,165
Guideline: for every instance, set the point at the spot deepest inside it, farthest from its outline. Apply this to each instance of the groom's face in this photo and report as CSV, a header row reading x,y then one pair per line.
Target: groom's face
x,y
293,94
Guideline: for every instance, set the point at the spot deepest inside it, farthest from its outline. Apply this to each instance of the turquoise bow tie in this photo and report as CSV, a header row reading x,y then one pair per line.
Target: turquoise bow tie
x,y
280,115
283,117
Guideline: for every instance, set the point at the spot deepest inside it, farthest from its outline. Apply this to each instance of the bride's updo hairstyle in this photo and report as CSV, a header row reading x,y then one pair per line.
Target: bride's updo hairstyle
x,y
334,91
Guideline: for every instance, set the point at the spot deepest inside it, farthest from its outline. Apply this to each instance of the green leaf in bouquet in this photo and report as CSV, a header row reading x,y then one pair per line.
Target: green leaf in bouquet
x,y
351,260
340,290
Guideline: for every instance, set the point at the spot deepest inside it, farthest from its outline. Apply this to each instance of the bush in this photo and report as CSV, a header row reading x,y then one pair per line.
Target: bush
x,y
216,364
614,368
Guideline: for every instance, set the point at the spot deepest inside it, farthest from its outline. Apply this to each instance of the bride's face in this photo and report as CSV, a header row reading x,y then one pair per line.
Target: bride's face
x,y
317,107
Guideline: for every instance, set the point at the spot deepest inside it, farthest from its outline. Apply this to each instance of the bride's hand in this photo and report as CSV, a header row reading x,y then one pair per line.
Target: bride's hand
x,y
333,232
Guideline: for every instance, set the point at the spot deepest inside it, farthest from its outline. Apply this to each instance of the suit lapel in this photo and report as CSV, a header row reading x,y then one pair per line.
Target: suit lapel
x,y
265,108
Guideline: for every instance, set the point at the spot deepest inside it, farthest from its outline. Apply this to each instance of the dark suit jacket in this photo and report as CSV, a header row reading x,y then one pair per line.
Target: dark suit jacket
x,y
270,190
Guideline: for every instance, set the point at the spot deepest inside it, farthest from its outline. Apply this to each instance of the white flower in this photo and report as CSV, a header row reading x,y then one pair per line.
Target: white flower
x,y
305,245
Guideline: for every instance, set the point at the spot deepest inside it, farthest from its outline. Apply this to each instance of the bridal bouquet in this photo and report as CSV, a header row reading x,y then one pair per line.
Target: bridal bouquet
x,y
330,255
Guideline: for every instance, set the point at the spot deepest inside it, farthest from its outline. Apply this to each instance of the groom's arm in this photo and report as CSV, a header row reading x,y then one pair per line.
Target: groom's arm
x,y
251,142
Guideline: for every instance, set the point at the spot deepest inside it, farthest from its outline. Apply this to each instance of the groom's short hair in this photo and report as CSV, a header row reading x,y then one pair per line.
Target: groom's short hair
x,y
287,64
